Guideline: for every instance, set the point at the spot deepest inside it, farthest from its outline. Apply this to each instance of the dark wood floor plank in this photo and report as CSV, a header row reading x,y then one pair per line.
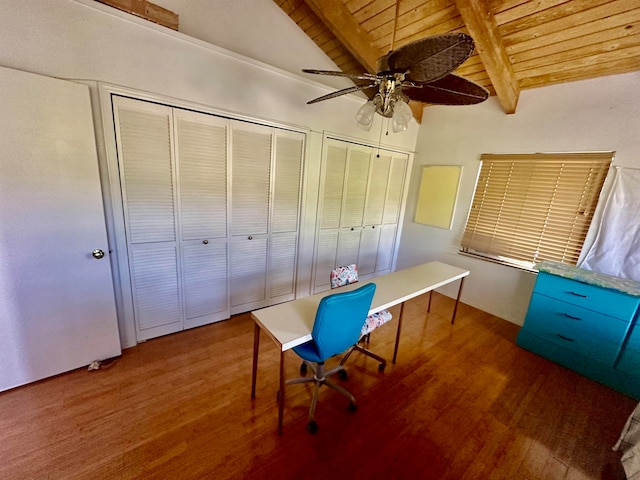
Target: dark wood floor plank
x,y
462,402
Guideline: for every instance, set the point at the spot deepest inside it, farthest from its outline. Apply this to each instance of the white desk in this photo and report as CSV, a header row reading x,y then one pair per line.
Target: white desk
x,y
290,324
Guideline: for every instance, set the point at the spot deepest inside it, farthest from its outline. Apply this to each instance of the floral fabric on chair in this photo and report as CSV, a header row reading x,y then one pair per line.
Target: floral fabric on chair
x,y
374,321
349,274
344,275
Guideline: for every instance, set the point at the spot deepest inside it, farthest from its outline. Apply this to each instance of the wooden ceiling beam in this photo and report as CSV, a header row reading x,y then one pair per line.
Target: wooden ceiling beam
x,y
483,29
341,23
147,10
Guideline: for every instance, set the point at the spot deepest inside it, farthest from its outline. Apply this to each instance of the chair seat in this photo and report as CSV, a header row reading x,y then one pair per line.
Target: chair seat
x,y
374,321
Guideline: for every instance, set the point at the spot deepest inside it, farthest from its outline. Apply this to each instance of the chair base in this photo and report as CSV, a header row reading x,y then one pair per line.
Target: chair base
x,y
320,378
357,347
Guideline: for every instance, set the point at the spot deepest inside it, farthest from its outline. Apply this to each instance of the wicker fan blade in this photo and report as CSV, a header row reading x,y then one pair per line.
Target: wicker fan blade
x,y
431,58
450,90
355,76
344,91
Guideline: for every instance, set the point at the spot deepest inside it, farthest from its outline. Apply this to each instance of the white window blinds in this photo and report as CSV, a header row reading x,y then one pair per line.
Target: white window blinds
x,y
529,208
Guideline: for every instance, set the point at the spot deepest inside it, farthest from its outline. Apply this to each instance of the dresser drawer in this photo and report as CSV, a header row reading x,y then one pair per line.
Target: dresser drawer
x,y
548,312
630,358
634,339
629,363
592,334
598,299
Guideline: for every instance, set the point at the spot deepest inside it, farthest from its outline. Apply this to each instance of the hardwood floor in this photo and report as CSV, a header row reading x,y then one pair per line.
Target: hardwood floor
x,y
463,402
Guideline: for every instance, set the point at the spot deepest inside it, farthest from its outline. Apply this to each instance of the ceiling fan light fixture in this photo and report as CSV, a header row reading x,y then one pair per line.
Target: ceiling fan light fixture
x,y
402,115
364,115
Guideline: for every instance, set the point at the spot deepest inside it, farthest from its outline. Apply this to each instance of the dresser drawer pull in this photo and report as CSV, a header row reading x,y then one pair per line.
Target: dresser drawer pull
x,y
577,294
571,317
566,339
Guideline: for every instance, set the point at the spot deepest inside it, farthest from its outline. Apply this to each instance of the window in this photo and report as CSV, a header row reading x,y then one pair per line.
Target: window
x,y
530,208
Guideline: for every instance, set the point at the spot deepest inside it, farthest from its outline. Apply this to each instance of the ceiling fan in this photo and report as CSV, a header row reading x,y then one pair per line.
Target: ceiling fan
x,y
420,71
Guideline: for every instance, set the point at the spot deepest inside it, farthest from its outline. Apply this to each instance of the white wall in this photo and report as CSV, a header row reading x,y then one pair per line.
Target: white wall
x,y
593,115
282,47
87,40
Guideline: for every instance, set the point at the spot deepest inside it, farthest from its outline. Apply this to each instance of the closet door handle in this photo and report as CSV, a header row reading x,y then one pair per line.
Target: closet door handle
x,y
250,237
205,241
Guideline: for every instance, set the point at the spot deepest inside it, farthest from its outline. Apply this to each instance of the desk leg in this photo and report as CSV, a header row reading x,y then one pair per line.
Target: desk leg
x,y
281,394
254,372
429,304
455,307
395,350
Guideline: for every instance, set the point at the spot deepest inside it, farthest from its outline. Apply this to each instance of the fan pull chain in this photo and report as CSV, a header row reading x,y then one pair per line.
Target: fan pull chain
x,y
380,135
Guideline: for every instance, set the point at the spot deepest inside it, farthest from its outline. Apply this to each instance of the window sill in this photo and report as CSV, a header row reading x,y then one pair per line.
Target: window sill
x,y
526,266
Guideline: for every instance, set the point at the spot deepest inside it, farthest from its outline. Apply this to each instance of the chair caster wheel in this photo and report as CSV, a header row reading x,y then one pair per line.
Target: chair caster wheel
x,y
381,367
353,407
312,426
343,375
303,369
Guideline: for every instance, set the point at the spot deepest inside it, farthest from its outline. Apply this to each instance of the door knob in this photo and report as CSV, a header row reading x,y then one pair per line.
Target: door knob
x,y
97,253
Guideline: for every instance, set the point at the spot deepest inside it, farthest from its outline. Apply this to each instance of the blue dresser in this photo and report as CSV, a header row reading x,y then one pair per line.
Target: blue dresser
x,y
587,322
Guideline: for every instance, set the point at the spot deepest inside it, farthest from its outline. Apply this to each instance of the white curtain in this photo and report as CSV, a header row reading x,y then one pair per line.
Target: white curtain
x,y
616,249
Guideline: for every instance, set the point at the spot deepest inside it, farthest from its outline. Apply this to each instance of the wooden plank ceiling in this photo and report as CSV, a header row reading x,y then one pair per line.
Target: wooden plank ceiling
x,y
520,44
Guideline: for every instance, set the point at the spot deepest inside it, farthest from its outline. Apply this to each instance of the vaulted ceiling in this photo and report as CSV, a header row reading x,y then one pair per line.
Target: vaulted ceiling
x,y
520,44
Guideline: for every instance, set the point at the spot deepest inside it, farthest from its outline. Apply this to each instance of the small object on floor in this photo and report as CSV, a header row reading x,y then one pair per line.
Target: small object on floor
x,y
629,445
102,364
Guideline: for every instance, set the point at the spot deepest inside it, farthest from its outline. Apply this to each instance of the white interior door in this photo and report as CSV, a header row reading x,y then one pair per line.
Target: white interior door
x,y
57,308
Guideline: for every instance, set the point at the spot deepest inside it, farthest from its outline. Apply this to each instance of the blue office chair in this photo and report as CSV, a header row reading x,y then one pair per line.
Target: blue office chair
x,y
344,276
336,328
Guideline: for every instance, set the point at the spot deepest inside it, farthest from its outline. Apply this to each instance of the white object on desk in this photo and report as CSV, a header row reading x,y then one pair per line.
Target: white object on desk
x,y
290,324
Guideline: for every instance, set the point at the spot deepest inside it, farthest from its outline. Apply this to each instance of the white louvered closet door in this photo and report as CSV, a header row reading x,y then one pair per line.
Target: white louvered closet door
x,y
285,214
331,194
373,211
353,204
391,213
145,145
251,147
211,209
360,202
201,146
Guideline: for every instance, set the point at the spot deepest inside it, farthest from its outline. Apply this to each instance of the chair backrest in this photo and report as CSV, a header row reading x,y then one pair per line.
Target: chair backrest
x,y
344,275
339,319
